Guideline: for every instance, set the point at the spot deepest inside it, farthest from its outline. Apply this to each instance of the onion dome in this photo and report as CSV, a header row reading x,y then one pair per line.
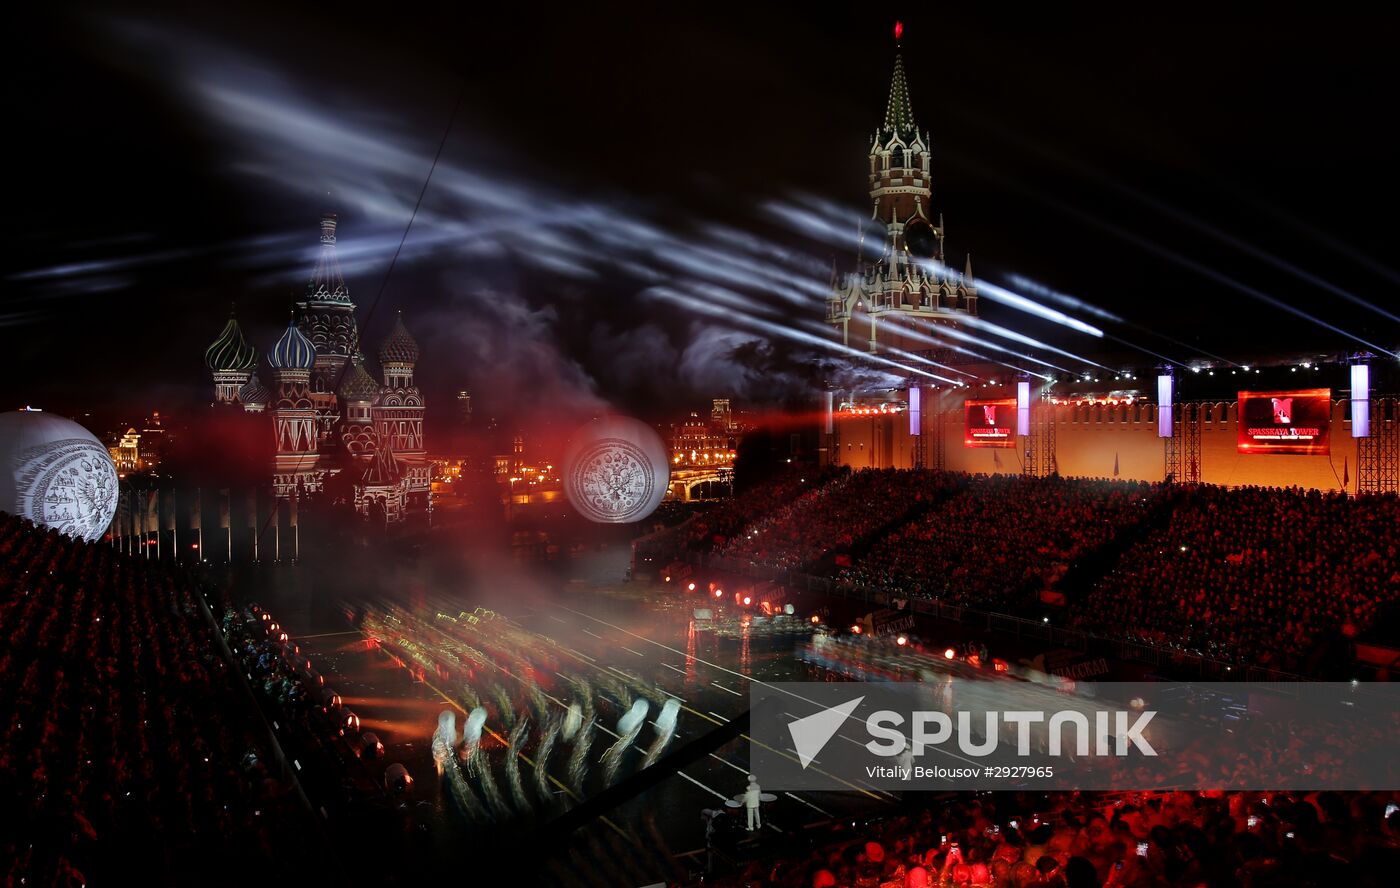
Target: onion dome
x,y
293,351
358,385
400,347
230,351
254,392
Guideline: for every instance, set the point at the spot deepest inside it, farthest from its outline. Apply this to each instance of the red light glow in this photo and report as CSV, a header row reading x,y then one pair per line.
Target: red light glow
x,y
901,641
898,30
950,653
855,629
816,619
748,599
690,587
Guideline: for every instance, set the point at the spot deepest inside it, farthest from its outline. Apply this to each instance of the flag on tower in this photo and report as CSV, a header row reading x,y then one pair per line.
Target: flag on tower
x,y
1346,476
196,519
1115,464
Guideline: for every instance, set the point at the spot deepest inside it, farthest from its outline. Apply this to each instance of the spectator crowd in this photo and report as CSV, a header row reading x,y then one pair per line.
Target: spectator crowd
x,y
1002,537
1087,840
125,752
1265,576
834,517
1257,575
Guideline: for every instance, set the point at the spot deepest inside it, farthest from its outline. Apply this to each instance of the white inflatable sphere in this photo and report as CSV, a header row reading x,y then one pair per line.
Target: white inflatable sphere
x,y
56,473
615,470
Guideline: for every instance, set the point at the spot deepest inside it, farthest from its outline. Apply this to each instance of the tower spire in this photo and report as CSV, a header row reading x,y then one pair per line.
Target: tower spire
x,y
899,114
327,283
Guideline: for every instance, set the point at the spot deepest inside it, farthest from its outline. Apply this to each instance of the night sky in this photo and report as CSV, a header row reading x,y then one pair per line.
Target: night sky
x,y
604,161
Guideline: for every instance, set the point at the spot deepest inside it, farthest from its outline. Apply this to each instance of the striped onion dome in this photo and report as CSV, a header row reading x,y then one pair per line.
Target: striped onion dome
x,y
358,385
293,351
230,351
400,347
254,392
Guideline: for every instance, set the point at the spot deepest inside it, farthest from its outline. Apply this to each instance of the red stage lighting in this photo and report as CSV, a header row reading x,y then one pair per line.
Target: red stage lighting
x,y
748,600
950,653
690,587
901,641
816,619
856,629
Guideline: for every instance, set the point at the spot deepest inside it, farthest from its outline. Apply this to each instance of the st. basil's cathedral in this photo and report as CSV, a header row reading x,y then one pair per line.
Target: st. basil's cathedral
x,y
332,421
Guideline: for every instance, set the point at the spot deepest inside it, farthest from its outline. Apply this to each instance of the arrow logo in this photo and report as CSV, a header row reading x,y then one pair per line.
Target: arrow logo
x,y
811,734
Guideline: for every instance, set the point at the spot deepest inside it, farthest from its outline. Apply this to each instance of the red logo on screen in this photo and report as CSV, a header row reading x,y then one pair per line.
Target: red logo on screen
x,y
1283,410
989,414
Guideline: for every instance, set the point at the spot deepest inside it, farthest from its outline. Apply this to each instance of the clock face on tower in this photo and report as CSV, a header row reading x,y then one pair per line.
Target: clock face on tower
x,y
873,234
921,241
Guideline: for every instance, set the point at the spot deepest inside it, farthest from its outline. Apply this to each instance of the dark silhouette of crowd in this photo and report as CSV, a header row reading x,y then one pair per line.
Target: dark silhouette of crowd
x,y
1264,576
835,516
1001,537
714,528
1258,575
1086,840
126,755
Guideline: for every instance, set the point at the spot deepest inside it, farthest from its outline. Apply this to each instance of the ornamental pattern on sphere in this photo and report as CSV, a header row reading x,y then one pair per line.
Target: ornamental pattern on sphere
x,y
615,480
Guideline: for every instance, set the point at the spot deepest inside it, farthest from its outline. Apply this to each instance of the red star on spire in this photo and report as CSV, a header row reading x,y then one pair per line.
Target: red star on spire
x,y
898,30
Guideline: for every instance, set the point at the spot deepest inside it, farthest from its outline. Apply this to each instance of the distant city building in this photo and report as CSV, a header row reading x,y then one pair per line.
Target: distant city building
x,y
151,447
126,453
721,417
464,407
332,419
139,450
701,442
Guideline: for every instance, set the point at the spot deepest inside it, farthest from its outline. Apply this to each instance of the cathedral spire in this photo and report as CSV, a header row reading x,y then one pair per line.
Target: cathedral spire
x,y
899,114
327,284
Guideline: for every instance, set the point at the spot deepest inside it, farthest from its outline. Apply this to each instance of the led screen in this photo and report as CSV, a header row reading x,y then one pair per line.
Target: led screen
x,y
1285,422
989,423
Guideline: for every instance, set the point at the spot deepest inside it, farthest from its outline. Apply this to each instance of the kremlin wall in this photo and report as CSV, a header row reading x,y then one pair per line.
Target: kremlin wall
x,y
1098,440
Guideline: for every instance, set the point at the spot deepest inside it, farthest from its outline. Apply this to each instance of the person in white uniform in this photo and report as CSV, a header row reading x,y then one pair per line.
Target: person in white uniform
x,y
752,798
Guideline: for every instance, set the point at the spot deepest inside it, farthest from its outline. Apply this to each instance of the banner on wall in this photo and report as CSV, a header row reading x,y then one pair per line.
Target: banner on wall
x,y
1285,422
989,423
